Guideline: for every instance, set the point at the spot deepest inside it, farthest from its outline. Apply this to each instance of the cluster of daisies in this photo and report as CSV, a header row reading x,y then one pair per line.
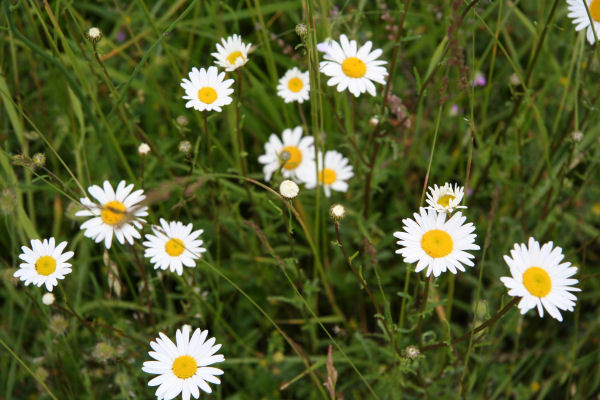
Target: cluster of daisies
x,y
438,239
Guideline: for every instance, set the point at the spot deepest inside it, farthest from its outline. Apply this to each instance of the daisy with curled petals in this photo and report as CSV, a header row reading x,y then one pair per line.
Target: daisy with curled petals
x,y
353,68
293,154
539,277
581,20
207,89
445,198
437,244
44,263
232,54
117,213
333,175
294,86
183,367
173,245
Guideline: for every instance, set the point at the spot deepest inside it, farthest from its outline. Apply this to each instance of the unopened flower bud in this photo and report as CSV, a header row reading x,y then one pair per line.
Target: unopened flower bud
x,y
301,30
337,212
48,299
374,121
94,34
289,189
144,149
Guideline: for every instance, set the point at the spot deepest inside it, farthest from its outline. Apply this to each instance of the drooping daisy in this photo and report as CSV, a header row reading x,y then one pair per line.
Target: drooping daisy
x,y
294,86
207,89
333,175
579,15
353,68
539,277
117,213
445,198
183,367
437,244
293,154
173,245
44,263
232,54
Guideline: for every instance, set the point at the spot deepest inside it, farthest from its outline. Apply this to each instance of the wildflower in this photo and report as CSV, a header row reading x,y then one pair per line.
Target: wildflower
x,y
374,121
579,15
118,213
39,160
184,146
337,212
294,86
437,244
103,352
479,79
182,120
58,324
44,264
577,136
453,112
325,46
412,352
94,34
183,367
539,277
333,175
353,68
289,189
232,54
143,149
206,89
514,79
173,245
48,299
301,30
445,198
293,154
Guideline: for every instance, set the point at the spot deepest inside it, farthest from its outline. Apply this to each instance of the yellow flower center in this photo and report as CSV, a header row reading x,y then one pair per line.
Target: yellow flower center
x,y
354,67
295,85
113,212
207,95
537,281
295,157
174,247
234,56
595,10
327,176
45,265
437,243
445,200
184,367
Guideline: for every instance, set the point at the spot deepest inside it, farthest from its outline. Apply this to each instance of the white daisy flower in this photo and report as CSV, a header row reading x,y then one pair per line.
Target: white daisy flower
x,y
173,245
294,86
445,198
353,68
232,54
117,213
539,277
334,174
44,263
207,89
579,15
325,46
183,367
437,244
293,154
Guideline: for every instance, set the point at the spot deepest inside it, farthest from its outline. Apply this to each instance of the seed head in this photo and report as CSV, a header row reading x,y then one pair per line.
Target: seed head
x,y
94,34
48,299
182,120
412,352
577,136
39,160
301,30
337,212
144,149
289,189
185,146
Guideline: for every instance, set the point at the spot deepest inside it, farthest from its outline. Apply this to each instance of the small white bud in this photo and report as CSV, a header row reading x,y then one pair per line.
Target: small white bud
x,y
289,189
144,149
514,79
374,121
94,34
337,212
577,136
48,299
412,352
185,146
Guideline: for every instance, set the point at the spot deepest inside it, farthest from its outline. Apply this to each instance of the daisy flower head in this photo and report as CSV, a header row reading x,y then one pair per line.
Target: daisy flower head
x,y
117,213
539,277
334,174
445,198
325,46
353,68
183,367
207,89
437,244
44,263
579,15
232,53
292,154
294,86
173,245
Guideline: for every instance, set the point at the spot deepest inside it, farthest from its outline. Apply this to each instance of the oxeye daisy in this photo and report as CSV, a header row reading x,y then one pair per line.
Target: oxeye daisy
x,y
294,86
437,244
117,212
173,245
183,367
539,277
581,20
353,68
293,154
44,263
207,89
232,54
445,198
333,175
